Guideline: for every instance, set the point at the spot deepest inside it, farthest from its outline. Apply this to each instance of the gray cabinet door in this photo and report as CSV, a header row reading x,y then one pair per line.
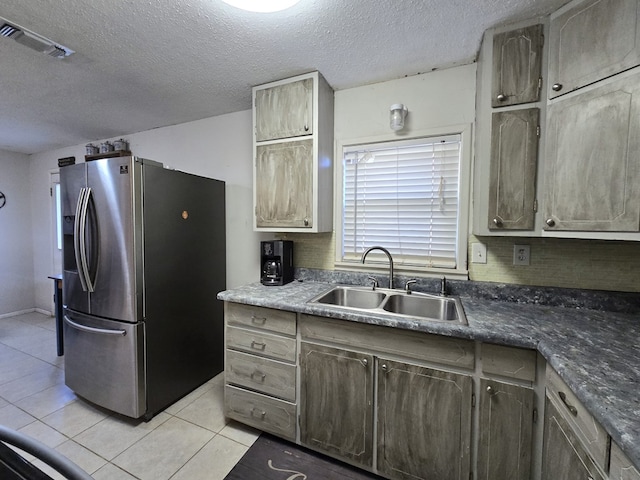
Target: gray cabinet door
x,y
284,111
506,428
336,402
592,179
563,456
514,158
284,184
591,41
517,61
424,422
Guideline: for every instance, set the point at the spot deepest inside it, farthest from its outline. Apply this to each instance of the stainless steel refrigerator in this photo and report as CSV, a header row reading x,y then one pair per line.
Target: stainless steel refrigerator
x,y
143,260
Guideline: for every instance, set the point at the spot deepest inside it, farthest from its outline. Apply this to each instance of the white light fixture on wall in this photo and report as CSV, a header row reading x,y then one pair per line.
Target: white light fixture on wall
x,y
398,114
262,6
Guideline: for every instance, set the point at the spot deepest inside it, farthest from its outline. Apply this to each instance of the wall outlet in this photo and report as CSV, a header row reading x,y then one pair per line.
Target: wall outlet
x,y
521,254
478,253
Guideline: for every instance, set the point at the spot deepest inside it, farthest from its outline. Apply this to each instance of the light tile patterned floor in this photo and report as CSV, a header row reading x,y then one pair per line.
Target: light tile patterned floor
x,y
191,439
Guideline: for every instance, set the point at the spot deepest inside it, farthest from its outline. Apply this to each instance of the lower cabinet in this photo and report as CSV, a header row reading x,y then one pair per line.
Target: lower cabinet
x,y
505,443
564,456
336,402
424,422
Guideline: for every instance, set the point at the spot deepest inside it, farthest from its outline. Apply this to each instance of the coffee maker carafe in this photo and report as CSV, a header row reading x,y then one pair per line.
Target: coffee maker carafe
x,y
276,262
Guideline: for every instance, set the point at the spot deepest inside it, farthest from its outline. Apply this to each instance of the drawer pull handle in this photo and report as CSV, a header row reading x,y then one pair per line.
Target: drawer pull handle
x,y
261,413
257,373
258,320
571,408
258,345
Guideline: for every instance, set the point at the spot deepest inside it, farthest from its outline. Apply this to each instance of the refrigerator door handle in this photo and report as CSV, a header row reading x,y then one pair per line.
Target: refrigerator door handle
x,y
77,240
82,242
102,331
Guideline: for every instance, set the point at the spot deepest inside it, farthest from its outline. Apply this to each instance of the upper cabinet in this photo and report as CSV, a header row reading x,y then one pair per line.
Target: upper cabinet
x,y
593,174
591,40
584,180
293,155
284,111
517,62
514,158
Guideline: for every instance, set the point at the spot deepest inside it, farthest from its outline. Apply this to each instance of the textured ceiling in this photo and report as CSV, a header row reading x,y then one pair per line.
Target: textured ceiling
x,y
142,64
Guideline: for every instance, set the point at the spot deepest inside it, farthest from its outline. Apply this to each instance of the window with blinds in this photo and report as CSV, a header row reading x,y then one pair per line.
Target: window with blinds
x,y
403,196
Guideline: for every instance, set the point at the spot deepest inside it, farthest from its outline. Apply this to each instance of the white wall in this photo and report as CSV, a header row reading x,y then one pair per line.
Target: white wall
x,y
218,147
16,264
436,99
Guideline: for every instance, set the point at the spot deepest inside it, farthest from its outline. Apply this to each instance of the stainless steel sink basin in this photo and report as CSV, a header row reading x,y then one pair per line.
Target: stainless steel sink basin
x,y
438,308
420,306
352,297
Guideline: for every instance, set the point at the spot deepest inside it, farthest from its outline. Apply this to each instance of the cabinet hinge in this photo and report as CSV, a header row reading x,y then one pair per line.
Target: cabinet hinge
x,y
539,83
538,131
473,400
535,415
50,192
535,205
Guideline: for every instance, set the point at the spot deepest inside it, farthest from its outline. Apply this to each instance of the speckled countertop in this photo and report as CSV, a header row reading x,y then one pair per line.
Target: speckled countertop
x,y
596,352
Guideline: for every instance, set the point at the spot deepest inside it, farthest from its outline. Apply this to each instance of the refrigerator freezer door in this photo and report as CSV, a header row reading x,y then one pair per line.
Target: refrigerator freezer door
x,y
116,254
104,362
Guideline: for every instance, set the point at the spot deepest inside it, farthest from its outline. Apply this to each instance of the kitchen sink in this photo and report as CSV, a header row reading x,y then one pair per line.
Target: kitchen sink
x,y
393,302
352,297
415,305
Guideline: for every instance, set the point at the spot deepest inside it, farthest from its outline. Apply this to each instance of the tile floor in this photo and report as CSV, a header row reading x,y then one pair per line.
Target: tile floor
x,y
189,440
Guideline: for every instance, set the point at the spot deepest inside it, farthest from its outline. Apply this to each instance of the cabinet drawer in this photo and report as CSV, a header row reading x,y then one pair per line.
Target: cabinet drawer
x,y
590,432
509,362
262,374
261,343
279,321
262,412
405,343
621,466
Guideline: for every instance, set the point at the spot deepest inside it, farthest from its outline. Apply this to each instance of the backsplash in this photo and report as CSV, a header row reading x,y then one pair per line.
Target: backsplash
x,y
559,262
566,263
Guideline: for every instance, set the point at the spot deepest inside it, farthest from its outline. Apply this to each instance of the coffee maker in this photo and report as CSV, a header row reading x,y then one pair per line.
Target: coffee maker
x,y
276,262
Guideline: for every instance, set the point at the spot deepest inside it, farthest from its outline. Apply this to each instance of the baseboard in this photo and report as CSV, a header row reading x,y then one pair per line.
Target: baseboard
x,y
19,312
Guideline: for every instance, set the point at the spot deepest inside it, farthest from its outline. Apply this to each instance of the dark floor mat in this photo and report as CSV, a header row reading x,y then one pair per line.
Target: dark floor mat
x,y
271,458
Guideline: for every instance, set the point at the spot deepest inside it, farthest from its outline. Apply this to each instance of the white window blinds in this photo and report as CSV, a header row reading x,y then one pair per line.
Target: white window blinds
x,y
403,196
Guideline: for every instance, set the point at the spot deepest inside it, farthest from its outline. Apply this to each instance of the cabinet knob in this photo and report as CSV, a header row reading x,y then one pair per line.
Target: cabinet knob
x,y
550,222
501,97
497,221
556,87
306,222
490,390
306,128
384,367
365,362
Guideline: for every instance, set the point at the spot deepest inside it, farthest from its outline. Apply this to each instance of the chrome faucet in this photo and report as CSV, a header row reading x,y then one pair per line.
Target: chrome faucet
x,y
374,282
366,252
407,286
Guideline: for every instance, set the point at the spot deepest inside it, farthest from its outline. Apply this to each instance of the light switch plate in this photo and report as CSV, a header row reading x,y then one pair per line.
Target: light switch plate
x,y
521,254
478,253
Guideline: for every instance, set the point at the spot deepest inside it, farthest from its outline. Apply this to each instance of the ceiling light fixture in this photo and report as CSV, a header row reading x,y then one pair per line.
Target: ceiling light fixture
x,y
262,6
33,40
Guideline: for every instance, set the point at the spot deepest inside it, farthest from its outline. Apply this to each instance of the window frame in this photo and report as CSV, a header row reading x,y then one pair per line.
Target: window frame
x,y
461,270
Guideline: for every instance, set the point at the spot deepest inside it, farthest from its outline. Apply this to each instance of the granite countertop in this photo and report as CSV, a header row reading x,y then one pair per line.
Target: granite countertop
x,y
596,352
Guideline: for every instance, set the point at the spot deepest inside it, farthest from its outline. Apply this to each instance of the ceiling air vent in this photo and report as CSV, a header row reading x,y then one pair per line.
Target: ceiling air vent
x,y
33,40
